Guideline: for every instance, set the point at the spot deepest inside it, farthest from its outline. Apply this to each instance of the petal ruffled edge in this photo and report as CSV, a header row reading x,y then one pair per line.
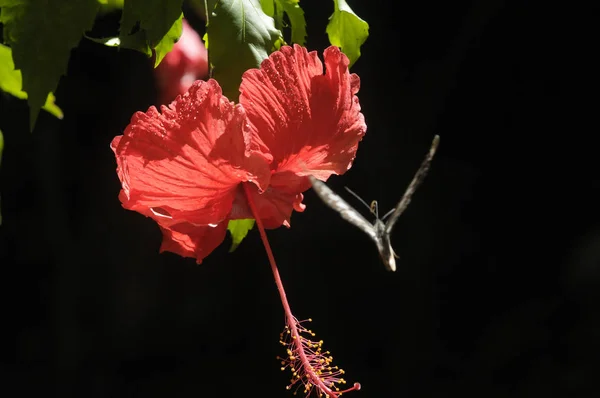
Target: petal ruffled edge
x,y
187,160
310,122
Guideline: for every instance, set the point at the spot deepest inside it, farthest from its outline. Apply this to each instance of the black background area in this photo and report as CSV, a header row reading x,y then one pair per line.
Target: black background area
x,y
496,292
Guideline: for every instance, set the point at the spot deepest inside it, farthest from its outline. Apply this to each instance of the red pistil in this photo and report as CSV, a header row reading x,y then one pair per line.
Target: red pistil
x,y
307,361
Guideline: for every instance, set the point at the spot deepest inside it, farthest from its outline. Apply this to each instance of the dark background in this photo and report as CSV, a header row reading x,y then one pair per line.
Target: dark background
x,y
497,288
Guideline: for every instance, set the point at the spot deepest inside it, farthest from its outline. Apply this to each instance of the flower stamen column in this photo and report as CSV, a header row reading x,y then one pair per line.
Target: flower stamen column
x,y
308,363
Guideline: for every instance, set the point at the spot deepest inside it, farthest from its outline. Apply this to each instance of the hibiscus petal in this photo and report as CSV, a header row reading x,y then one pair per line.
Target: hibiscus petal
x,y
310,122
187,160
273,205
189,240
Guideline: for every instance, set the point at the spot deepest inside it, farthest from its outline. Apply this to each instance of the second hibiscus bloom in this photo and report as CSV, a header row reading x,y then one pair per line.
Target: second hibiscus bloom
x,y
184,166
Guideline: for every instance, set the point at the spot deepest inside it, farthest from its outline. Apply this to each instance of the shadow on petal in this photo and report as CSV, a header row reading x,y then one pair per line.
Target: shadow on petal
x,y
189,240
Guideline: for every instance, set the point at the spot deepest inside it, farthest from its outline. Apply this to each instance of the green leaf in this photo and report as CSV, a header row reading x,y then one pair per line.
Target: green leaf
x,y
268,7
41,35
205,40
241,36
271,9
166,43
278,16
107,6
276,9
239,229
346,30
11,82
199,6
51,107
151,24
136,41
111,41
296,17
112,3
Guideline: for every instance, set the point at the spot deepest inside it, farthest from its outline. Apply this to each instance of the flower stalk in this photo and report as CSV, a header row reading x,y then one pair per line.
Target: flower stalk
x,y
309,364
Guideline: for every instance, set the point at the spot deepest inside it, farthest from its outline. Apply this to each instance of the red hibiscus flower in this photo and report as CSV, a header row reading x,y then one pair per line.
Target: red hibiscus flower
x,y
182,66
203,161
196,164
